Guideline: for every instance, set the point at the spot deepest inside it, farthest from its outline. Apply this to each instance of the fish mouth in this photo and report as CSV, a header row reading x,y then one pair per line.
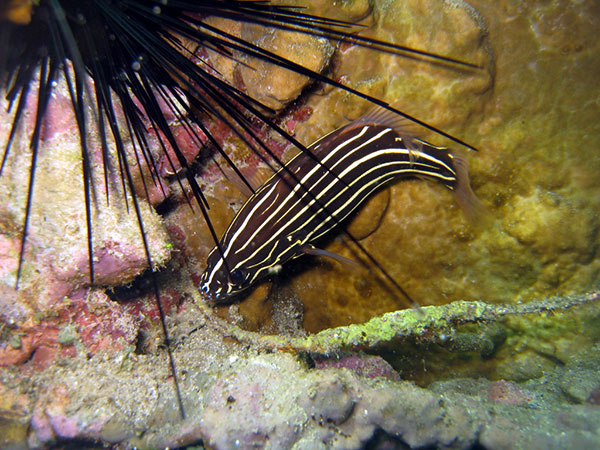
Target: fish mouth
x,y
213,298
224,298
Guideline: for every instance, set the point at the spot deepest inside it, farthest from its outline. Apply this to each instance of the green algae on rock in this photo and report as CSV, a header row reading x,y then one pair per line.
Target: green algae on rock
x,y
436,323
232,390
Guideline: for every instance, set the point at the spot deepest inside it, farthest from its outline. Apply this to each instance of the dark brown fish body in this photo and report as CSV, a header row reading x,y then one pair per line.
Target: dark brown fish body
x,y
313,194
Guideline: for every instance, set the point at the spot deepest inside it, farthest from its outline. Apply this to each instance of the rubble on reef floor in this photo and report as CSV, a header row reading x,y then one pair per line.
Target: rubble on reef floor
x,y
242,395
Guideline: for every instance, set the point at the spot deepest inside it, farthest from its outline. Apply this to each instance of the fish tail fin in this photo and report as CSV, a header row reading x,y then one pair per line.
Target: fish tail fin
x,y
475,211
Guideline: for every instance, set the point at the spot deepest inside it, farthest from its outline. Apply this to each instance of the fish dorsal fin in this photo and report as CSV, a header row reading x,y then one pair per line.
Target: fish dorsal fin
x,y
378,115
406,129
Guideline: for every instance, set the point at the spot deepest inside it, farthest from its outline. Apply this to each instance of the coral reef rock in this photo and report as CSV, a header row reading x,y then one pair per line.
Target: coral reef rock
x,y
506,356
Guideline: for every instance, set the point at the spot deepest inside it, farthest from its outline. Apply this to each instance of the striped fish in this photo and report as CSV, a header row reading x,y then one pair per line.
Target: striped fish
x,y
310,196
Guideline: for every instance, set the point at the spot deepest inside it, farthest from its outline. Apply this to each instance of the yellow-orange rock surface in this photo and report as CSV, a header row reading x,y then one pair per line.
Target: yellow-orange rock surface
x,y
531,110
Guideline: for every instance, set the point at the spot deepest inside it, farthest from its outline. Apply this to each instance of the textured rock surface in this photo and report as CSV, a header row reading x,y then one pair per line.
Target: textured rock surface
x,y
527,110
55,304
274,86
531,126
237,397
56,258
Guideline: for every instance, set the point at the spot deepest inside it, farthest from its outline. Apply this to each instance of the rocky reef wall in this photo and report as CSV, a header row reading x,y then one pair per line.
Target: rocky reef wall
x,y
82,364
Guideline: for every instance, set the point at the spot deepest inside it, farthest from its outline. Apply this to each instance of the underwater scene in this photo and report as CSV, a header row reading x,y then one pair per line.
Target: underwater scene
x,y
360,224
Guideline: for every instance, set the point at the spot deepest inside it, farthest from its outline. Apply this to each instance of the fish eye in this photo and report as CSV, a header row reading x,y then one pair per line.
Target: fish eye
x,y
238,276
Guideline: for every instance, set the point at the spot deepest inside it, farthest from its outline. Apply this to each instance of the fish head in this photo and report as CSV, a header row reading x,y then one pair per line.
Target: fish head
x,y
220,281
240,268
229,274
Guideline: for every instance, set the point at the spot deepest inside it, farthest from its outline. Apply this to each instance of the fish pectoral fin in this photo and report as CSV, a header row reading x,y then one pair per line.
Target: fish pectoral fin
x,y
314,251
